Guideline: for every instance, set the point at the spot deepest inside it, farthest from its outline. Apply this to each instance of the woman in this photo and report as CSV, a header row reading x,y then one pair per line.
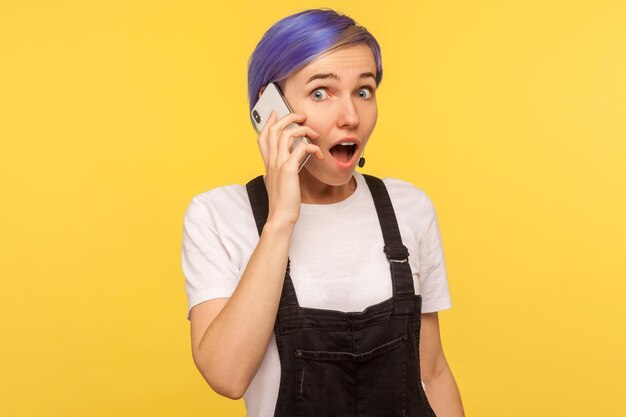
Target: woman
x,y
309,292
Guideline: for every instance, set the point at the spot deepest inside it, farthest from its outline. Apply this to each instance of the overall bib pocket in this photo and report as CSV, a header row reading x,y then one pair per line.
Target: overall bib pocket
x,y
344,384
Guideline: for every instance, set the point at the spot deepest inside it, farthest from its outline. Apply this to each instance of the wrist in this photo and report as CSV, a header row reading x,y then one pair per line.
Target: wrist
x,y
278,227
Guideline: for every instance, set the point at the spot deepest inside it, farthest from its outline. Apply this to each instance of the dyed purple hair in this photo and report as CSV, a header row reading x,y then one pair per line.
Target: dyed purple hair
x,y
296,40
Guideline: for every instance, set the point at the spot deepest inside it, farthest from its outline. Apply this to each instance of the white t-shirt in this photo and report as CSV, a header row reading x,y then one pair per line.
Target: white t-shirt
x,y
336,253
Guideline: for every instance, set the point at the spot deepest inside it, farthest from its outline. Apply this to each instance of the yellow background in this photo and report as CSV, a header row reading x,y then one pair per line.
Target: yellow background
x,y
113,114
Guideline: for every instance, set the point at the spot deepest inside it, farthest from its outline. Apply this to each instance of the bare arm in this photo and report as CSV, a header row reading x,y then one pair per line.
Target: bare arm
x,y
440,386
229,337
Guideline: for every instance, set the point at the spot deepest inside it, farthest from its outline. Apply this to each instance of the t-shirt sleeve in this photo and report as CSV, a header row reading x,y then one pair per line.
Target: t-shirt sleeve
x,y
432,270
207,266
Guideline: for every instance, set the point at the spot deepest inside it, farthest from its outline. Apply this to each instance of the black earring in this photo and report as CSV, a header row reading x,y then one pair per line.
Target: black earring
x,y
361,162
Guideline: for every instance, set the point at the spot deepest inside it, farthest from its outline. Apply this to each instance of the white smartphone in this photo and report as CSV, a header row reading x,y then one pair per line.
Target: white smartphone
x,y
272,100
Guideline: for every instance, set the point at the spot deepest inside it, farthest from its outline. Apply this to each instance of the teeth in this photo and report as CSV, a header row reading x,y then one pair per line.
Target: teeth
x,y
347,143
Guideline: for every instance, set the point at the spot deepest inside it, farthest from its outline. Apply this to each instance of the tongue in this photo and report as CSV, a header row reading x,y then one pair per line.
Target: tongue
x,y
340,153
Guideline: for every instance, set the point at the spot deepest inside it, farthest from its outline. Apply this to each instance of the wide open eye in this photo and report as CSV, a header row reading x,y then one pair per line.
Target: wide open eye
x,y
367,91
319,94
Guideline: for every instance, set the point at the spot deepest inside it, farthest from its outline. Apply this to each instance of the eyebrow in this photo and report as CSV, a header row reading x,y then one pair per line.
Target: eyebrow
x,y
336,77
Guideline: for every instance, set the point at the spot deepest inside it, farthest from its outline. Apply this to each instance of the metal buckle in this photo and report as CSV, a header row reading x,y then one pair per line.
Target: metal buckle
x,y
397,254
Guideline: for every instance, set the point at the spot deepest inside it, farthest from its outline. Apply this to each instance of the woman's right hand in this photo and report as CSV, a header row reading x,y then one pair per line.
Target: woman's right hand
x,y
281,165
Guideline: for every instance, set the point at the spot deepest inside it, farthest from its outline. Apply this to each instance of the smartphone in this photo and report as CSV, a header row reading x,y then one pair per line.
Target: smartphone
x,y
272,100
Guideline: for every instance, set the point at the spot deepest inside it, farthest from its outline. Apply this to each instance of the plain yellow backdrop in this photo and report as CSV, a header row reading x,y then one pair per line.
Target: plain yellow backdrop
x,y
114,114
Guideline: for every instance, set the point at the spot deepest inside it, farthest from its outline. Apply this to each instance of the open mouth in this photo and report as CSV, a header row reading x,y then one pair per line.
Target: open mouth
x,y
343,152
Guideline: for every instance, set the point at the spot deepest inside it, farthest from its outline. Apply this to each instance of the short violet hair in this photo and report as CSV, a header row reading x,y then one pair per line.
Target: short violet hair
x,y
296,40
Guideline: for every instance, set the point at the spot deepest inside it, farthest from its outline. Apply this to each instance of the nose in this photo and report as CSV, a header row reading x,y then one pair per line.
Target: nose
x,y
349,117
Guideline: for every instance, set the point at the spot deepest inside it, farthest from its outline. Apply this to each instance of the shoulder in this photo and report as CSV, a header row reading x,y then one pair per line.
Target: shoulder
x,y
412,205
219,201
405,195
227,194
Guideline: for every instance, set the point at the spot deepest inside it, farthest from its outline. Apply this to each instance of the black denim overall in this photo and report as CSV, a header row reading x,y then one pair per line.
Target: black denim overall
x,y
351,364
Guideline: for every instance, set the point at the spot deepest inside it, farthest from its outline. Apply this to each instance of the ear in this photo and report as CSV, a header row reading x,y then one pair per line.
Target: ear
x,y
261,91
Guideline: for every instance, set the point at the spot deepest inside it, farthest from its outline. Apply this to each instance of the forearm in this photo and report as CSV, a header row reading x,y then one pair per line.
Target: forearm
x,y
443,395
234,345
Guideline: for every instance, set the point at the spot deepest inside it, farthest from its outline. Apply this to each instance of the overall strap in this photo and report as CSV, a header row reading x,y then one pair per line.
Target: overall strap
x,y
257,194
397,254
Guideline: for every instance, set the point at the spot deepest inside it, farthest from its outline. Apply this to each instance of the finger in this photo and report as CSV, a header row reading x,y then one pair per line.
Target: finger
x,y
275,132
289,118
262,139
289,136
300,152
284,147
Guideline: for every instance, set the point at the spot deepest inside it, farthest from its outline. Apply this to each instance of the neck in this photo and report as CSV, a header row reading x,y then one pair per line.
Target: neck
x,y
314,191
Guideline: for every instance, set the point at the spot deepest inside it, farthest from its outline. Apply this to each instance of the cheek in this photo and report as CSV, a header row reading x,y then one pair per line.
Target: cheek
x,y
375,115
318,120
371,118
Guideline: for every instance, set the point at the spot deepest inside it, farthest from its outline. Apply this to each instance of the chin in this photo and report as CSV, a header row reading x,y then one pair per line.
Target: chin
x,y
331,178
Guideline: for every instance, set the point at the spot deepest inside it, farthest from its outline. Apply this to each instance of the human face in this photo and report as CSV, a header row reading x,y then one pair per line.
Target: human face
x,y
337,92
